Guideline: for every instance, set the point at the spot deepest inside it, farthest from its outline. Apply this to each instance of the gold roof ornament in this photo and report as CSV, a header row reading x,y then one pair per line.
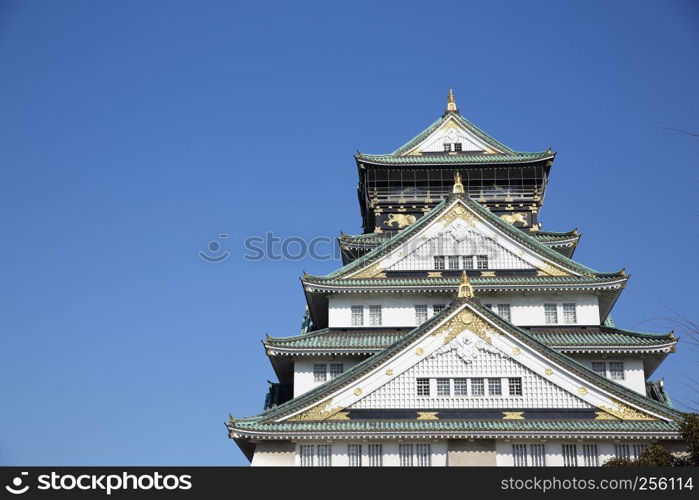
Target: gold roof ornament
x,y
465,288
458,186
451,104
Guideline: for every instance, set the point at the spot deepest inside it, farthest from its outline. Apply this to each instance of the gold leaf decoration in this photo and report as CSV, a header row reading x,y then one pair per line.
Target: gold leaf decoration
x,y
340,415
512,415
625,412
463,321
370,272
457,212
549,371
321,411
603,415
427,415
550,270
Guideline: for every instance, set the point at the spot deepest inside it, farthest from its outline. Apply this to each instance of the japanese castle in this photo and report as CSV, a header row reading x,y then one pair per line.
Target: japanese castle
x,y
459,332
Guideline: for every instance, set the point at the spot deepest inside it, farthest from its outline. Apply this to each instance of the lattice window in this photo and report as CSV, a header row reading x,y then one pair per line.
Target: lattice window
x,y
375,455
405,452
453,261
569,315
375,315
460,387
550,314
538,455
336,369
420,314
357,315
494,387
570,455
306,454
515,386
423,387
424,455
324,455
477,387
504,312
447,147
590,456
622,451
468,262
600,368
616,370
354,452
439,262
482,261
437,308
320,373
519,453
638,449
443,387
458,146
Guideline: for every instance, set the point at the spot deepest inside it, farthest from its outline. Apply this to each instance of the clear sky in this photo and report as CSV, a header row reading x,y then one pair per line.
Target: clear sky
x,y
134,133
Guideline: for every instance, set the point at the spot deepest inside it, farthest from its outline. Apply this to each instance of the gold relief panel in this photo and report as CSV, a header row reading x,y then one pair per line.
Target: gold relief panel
x,y
463,321
373,271
512,415
550,270
625,412
458,211
321,411
427,415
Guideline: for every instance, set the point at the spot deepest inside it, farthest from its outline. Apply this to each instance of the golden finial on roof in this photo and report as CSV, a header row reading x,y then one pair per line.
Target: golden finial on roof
x,y
465,288
458,187
231,420
451,104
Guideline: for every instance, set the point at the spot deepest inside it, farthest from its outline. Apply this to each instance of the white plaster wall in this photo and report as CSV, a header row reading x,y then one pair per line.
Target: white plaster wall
x,y
634,375
274,454
340,457
399,311
303,371
554,450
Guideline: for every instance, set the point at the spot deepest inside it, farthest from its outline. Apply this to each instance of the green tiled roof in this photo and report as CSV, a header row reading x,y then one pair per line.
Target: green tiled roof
x,y
315,396
476,281
463,159
597,336
553,236
517,235
458,426
380,338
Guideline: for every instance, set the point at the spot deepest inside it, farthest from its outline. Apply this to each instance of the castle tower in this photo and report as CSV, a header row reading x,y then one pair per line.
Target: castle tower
x,y
458,332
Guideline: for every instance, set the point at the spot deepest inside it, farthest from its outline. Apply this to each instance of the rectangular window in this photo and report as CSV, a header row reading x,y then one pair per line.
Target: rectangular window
x,y
494,387
306,452
569,316
550,314
477,387
600,368
357,315
590,455
622,451
375,315
423,387
504,311
354,452
460,387
375,455
324,455
447,147
538,454
424,456
519,453
515,386
457,146
468,262
454,262
638,449
439,262
405,452
570,455
443,387
336,369
420,314
320,373
616,370
437,308
482,261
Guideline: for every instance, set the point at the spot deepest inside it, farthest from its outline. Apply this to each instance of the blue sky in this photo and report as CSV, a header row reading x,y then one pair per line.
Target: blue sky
x,y
133,133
